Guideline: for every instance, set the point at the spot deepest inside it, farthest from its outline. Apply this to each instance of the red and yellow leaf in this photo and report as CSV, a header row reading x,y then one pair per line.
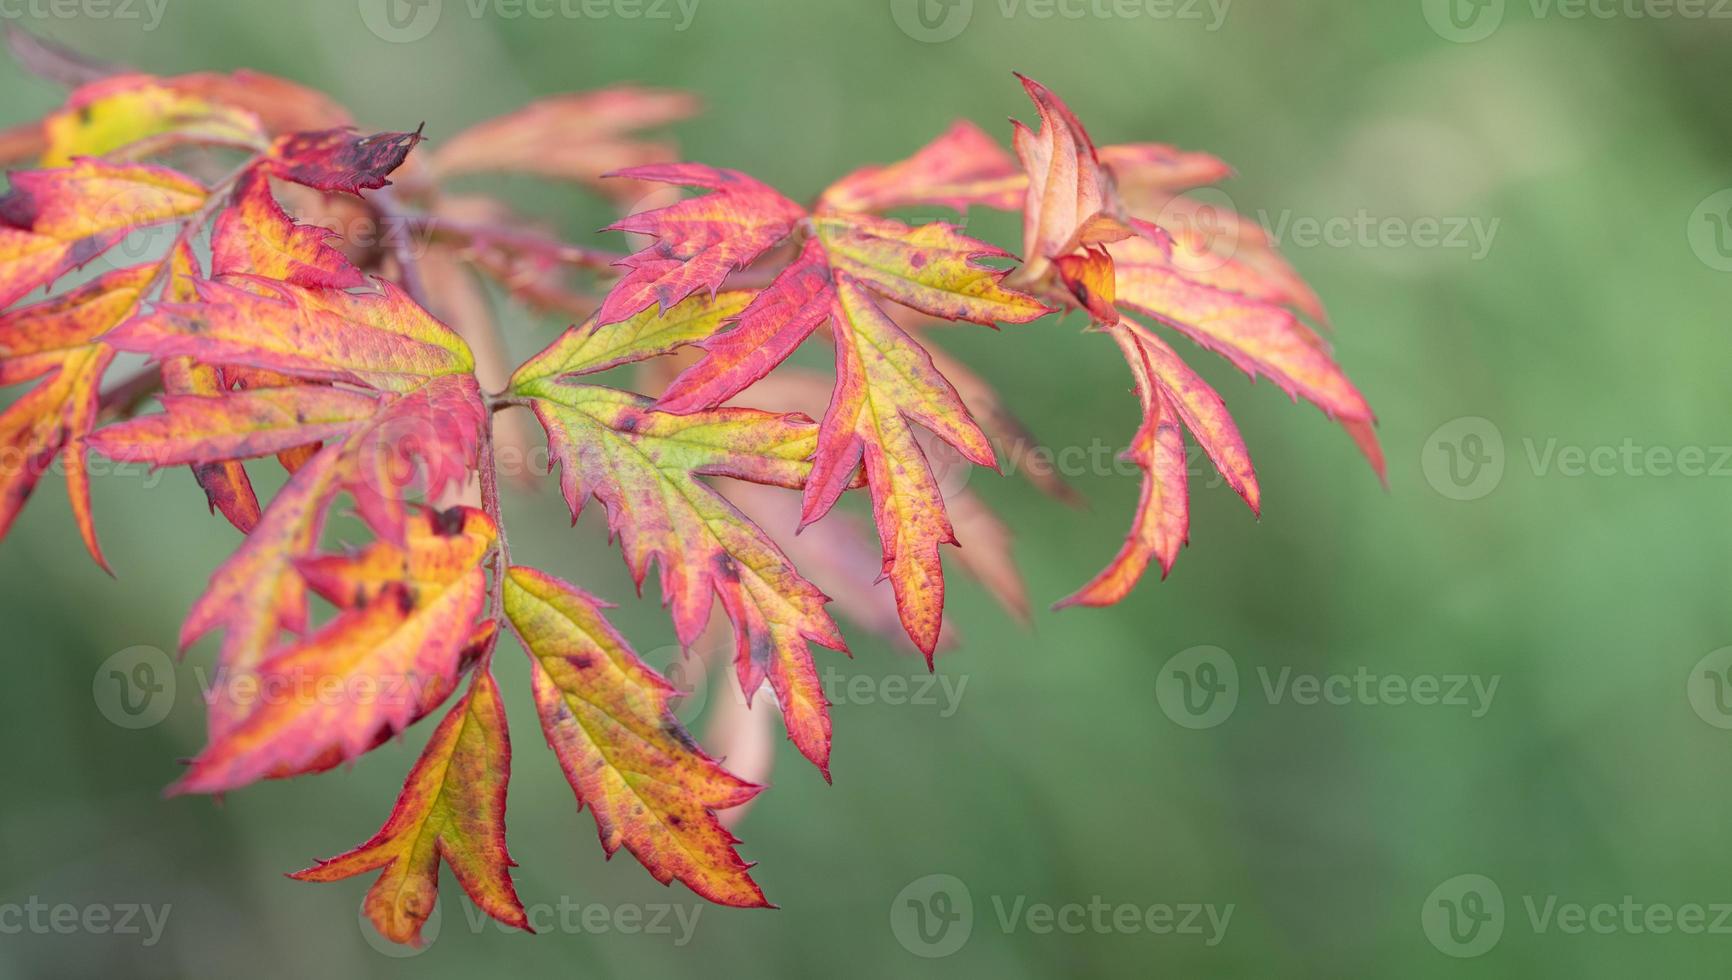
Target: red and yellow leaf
x,y
579,136
644,466
93,197
700,240
194,429
963,167
607,717
452,809
138,115
364,673
255,235
380,339
884,378
226,485
58,338
1163,511
1259,337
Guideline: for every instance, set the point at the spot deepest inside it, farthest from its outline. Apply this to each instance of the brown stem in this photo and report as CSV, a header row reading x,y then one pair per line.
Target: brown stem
x,y
123,399
530,243
396,220
490,504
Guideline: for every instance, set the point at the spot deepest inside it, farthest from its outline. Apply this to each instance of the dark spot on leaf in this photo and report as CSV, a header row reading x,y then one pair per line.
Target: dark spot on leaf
x,y
679,734
448,523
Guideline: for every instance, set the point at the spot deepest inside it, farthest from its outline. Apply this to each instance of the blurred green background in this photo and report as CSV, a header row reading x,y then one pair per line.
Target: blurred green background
x,y
1596,319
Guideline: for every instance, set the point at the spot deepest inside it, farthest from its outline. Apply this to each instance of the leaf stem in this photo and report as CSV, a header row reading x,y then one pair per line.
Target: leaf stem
x,y
392,216
490,503
531,243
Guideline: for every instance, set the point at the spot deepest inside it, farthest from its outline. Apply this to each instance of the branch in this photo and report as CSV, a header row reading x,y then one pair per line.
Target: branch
x,y
397,223
123,399
526,243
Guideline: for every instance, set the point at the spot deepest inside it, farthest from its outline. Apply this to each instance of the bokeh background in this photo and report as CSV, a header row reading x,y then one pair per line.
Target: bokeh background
x,y
1594,316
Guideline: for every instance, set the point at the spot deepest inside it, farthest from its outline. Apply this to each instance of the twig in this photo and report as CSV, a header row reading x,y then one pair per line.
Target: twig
x,y
490,504
123,399
392,216
511,240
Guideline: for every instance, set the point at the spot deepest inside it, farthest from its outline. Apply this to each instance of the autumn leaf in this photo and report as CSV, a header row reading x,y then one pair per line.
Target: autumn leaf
x,y
961,168
452,809
256,236
376,655
884,377
1105,259
608,719
1162,520
644,466
132,116
57,339
227,487
54,221
381,340
578,136
340,160
699,240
